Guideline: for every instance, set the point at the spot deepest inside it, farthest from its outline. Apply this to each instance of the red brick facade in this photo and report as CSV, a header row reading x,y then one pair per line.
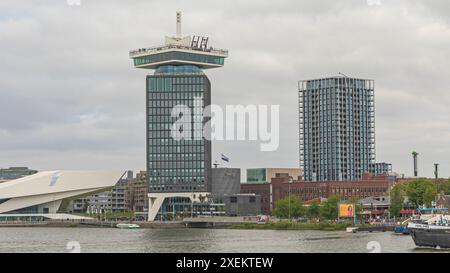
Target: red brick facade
x,y
278,189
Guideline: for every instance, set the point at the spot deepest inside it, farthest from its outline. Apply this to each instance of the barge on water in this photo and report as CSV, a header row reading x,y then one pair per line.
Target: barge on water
x,y
433,233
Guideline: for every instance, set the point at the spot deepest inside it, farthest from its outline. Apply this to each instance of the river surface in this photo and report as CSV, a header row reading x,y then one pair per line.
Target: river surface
x,y
43,239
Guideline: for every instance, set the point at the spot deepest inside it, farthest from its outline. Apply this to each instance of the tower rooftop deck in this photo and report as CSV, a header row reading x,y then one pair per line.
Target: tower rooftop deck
x,y
173,54
180,50
151,50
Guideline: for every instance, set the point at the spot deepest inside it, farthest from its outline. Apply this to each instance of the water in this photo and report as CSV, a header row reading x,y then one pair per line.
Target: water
x,y
200,240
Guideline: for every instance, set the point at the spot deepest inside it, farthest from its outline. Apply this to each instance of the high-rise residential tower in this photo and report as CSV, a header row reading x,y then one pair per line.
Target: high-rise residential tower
x,y
336,128
178,152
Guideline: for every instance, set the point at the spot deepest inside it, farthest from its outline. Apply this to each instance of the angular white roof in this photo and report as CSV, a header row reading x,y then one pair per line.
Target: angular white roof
x,y
50,186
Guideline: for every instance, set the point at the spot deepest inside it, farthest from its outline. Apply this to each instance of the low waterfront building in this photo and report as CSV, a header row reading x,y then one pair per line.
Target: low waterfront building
x,y
129,194
112,200
375,206
51,191
225,181
282,184
443,201
243,204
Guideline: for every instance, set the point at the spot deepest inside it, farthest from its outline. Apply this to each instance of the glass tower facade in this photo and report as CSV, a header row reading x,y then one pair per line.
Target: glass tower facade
x,y
336,128
177,165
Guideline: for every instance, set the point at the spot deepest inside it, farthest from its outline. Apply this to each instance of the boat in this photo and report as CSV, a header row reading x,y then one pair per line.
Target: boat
x,y
351,229
402,230
127,226
263,219
438,238
432,233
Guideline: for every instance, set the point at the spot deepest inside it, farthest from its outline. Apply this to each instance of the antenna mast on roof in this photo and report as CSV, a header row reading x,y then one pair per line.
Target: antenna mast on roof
x,y
179,24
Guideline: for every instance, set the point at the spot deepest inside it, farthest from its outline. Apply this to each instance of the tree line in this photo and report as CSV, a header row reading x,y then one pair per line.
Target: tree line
x,y
416,193
326,210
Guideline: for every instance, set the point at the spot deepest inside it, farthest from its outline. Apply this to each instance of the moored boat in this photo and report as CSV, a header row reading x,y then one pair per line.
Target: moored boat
x,y
127,226
433,233
352,229
431,237
400,229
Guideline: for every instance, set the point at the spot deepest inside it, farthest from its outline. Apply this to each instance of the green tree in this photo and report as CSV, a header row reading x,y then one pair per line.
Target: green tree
x,y
429,195
282,208
443,186
397,198
314,211
329,210
421,192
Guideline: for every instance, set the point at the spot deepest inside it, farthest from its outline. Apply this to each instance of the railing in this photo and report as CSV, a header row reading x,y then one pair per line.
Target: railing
x,y
13,223
141,51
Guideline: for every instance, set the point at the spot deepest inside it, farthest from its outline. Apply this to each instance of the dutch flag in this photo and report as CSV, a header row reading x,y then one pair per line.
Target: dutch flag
x,y
224,158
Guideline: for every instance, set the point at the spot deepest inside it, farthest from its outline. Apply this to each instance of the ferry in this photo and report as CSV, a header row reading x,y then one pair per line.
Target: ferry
x,y
127,226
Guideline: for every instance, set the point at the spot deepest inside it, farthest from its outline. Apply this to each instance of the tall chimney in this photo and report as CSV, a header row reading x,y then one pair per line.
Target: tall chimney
x,y
436,170
415,154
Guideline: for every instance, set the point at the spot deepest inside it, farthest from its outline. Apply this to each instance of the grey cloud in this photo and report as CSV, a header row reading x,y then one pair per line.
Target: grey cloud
x,y
70,97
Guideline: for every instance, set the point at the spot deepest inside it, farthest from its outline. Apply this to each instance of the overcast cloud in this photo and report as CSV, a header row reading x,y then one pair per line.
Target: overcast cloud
x,y
71,99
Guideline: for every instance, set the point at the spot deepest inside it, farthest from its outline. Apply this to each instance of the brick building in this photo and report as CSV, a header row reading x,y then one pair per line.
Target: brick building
x,y
279,187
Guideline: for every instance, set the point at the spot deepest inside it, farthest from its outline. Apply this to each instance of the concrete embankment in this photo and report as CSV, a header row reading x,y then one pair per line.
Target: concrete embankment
x,y
218,221
90,224
176,224
53,224
213,222
374,229
23,224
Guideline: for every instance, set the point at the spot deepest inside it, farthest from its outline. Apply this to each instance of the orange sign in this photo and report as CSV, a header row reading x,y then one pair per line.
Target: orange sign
x,y
346,210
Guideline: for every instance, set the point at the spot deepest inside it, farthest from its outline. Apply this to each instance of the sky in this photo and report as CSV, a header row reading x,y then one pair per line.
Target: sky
x,y
71,99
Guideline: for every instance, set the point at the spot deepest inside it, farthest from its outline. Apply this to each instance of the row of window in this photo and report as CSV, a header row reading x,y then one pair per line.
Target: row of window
x,y
332,82
173,176
173,70
175,157
173,142
155,96
176,55
189,101
178,164
157,188
176,180
170,114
